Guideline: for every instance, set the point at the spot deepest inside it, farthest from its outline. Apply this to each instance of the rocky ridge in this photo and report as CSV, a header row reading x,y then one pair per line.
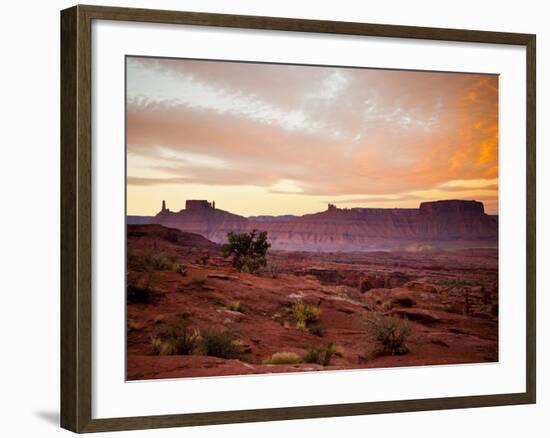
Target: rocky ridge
x,y
447,224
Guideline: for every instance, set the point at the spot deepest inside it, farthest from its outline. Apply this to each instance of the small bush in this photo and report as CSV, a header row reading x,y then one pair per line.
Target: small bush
x,y
305,314
150,262
284,357
133,326
273,270
234,306
317,329
162,347
186,339
387,305
390,334
320,355
138,295
312,355
138,289
219,344
328,353
182,340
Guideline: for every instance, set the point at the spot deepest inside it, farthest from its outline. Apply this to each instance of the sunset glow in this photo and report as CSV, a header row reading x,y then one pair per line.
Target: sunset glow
x,y
287,139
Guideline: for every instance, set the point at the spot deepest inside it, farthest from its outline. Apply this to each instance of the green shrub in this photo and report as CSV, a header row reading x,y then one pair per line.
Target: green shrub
x,y
182,340
390,335
152,261
284,357
186,339
219,344
305,314
248,250
320,355
312,355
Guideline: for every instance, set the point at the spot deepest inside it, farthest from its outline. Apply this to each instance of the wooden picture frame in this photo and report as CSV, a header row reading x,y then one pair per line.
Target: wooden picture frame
x,y
76,217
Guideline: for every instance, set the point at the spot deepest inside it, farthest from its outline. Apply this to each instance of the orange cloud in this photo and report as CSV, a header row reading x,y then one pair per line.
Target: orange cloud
x,y
325,131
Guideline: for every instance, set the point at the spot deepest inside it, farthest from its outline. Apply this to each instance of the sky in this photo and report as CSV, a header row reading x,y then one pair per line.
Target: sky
x,y
269,139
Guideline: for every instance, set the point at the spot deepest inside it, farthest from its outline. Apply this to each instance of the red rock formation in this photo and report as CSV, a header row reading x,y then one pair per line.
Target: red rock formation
x,y
458,324
452,223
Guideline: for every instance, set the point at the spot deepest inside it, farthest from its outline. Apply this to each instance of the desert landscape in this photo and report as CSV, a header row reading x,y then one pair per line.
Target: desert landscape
x,y
429,301
287,218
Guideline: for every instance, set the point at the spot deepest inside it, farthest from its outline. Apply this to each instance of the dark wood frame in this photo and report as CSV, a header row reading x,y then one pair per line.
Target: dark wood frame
x,y
76,174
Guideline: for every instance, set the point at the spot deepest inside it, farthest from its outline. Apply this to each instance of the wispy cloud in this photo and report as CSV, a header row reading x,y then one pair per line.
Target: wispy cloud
x,y
381,136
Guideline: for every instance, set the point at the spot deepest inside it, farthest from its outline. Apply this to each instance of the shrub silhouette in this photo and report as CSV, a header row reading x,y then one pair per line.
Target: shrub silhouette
x,y
248,250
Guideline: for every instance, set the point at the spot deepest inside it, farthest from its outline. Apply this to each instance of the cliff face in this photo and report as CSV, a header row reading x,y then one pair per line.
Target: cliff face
x,y
443,223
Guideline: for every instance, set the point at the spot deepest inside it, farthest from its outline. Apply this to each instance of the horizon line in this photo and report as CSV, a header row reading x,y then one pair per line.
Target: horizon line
x,y
329,205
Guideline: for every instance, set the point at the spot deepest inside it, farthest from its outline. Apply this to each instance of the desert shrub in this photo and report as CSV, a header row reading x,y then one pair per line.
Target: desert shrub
x,y
152,261
273,270
320,355
387,305
133,326
390,334
186,339
339,351
234,306
317,329
219,344
284,357
139,292
248,250
162,346
182,340
312,355
305,314
138,295
328,353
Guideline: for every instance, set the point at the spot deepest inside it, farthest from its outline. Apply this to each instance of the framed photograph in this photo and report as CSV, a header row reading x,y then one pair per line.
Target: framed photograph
x,y
269,218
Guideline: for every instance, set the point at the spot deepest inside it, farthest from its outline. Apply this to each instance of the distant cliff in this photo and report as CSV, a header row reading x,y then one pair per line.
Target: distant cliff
x,y
453,223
